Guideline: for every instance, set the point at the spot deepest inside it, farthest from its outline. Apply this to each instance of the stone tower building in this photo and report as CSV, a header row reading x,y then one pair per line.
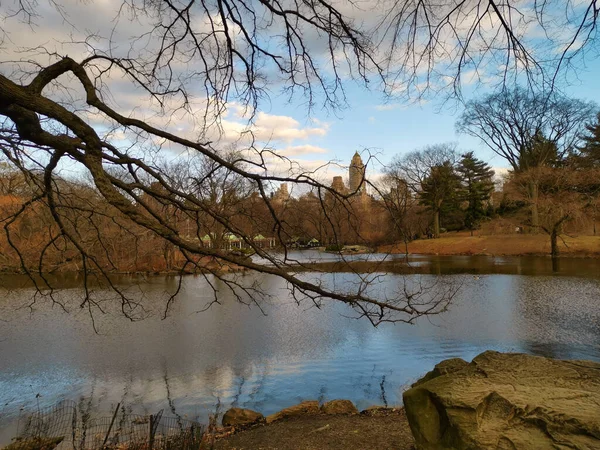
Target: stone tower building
x,y
356,173
338,185
282,194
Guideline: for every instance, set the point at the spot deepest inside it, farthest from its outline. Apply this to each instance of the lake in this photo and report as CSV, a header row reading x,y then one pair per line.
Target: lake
x,y
193,363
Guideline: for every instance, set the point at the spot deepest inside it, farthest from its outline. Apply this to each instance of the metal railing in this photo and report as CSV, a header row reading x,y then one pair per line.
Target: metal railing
x,y
64,426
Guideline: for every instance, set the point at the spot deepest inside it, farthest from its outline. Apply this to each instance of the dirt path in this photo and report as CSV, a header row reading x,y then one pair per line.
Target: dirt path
x,y
322,432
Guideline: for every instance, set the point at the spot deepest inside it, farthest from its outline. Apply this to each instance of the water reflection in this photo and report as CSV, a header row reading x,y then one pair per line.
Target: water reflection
x,y
440,264
192,363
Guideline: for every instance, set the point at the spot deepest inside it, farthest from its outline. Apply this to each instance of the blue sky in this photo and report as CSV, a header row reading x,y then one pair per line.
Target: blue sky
x,y
281,125
398,130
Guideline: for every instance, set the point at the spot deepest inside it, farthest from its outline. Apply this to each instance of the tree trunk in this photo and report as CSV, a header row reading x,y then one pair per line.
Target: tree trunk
x,y
436,224
554,243
555,264
533,198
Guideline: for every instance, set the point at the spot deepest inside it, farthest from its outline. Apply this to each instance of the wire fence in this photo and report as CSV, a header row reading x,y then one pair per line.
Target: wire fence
x,y
65,426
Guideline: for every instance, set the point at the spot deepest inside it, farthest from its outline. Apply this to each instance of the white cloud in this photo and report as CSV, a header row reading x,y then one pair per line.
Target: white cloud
x,y
297,150
268,127
500,175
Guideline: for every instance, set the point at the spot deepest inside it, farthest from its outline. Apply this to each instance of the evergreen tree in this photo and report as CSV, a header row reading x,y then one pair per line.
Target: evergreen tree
x,y
477,186
439,192
589,152
539,151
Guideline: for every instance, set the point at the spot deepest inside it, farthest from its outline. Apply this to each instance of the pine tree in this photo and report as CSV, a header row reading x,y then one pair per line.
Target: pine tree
x,y
540,151
477,186
439,192
589,152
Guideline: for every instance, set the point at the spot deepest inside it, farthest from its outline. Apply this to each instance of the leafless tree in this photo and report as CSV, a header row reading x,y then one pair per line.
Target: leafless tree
x,y
399,200
509,122
411,171
416,166
564,196
528,130
196,58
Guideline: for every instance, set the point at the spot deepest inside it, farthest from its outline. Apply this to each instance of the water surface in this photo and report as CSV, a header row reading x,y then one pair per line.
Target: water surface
x,y
192,362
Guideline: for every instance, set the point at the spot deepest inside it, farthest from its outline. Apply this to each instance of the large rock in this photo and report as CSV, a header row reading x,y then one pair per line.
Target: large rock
x,y
444,368
309,407
507,401
241,418
339,407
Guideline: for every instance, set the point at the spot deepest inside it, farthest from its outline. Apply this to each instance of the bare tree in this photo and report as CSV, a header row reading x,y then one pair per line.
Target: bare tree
x,y
564,196
440,45
416,169
197,58
528,130
398,200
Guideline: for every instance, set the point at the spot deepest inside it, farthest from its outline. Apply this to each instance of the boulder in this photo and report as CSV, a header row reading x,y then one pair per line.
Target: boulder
x,y
445,367
507,401
310,407
339,407
241,418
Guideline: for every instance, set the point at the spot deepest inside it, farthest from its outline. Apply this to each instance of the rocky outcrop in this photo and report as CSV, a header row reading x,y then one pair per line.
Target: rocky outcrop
x,y
305,408
444,368
241,418
339,407
507,401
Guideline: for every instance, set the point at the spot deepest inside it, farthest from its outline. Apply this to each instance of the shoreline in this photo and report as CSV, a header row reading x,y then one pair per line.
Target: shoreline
x,y
463,244
335,425
449,244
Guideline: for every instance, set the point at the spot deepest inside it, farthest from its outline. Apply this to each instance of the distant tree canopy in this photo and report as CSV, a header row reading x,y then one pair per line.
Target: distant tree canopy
x,y
565,195
439,192
527,129
456,189
589,149
476,177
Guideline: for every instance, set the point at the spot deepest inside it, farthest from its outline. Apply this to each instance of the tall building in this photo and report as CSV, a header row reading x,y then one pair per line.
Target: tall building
x,y
356,174
356,179
282,194
338,185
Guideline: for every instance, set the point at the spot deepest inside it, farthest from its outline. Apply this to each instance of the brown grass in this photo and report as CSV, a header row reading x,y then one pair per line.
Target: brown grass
x,y
462,243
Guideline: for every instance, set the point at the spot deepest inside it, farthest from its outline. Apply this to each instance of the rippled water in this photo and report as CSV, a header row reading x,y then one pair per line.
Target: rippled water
x,y
237,355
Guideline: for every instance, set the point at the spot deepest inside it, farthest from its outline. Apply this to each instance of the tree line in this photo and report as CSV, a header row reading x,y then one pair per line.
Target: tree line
x,y
552,147
550,142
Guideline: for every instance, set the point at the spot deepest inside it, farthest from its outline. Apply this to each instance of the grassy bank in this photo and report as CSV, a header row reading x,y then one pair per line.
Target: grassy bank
x,y
463,243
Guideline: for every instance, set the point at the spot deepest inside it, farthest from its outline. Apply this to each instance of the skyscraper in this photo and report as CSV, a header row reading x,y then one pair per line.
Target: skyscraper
x,y
356,174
